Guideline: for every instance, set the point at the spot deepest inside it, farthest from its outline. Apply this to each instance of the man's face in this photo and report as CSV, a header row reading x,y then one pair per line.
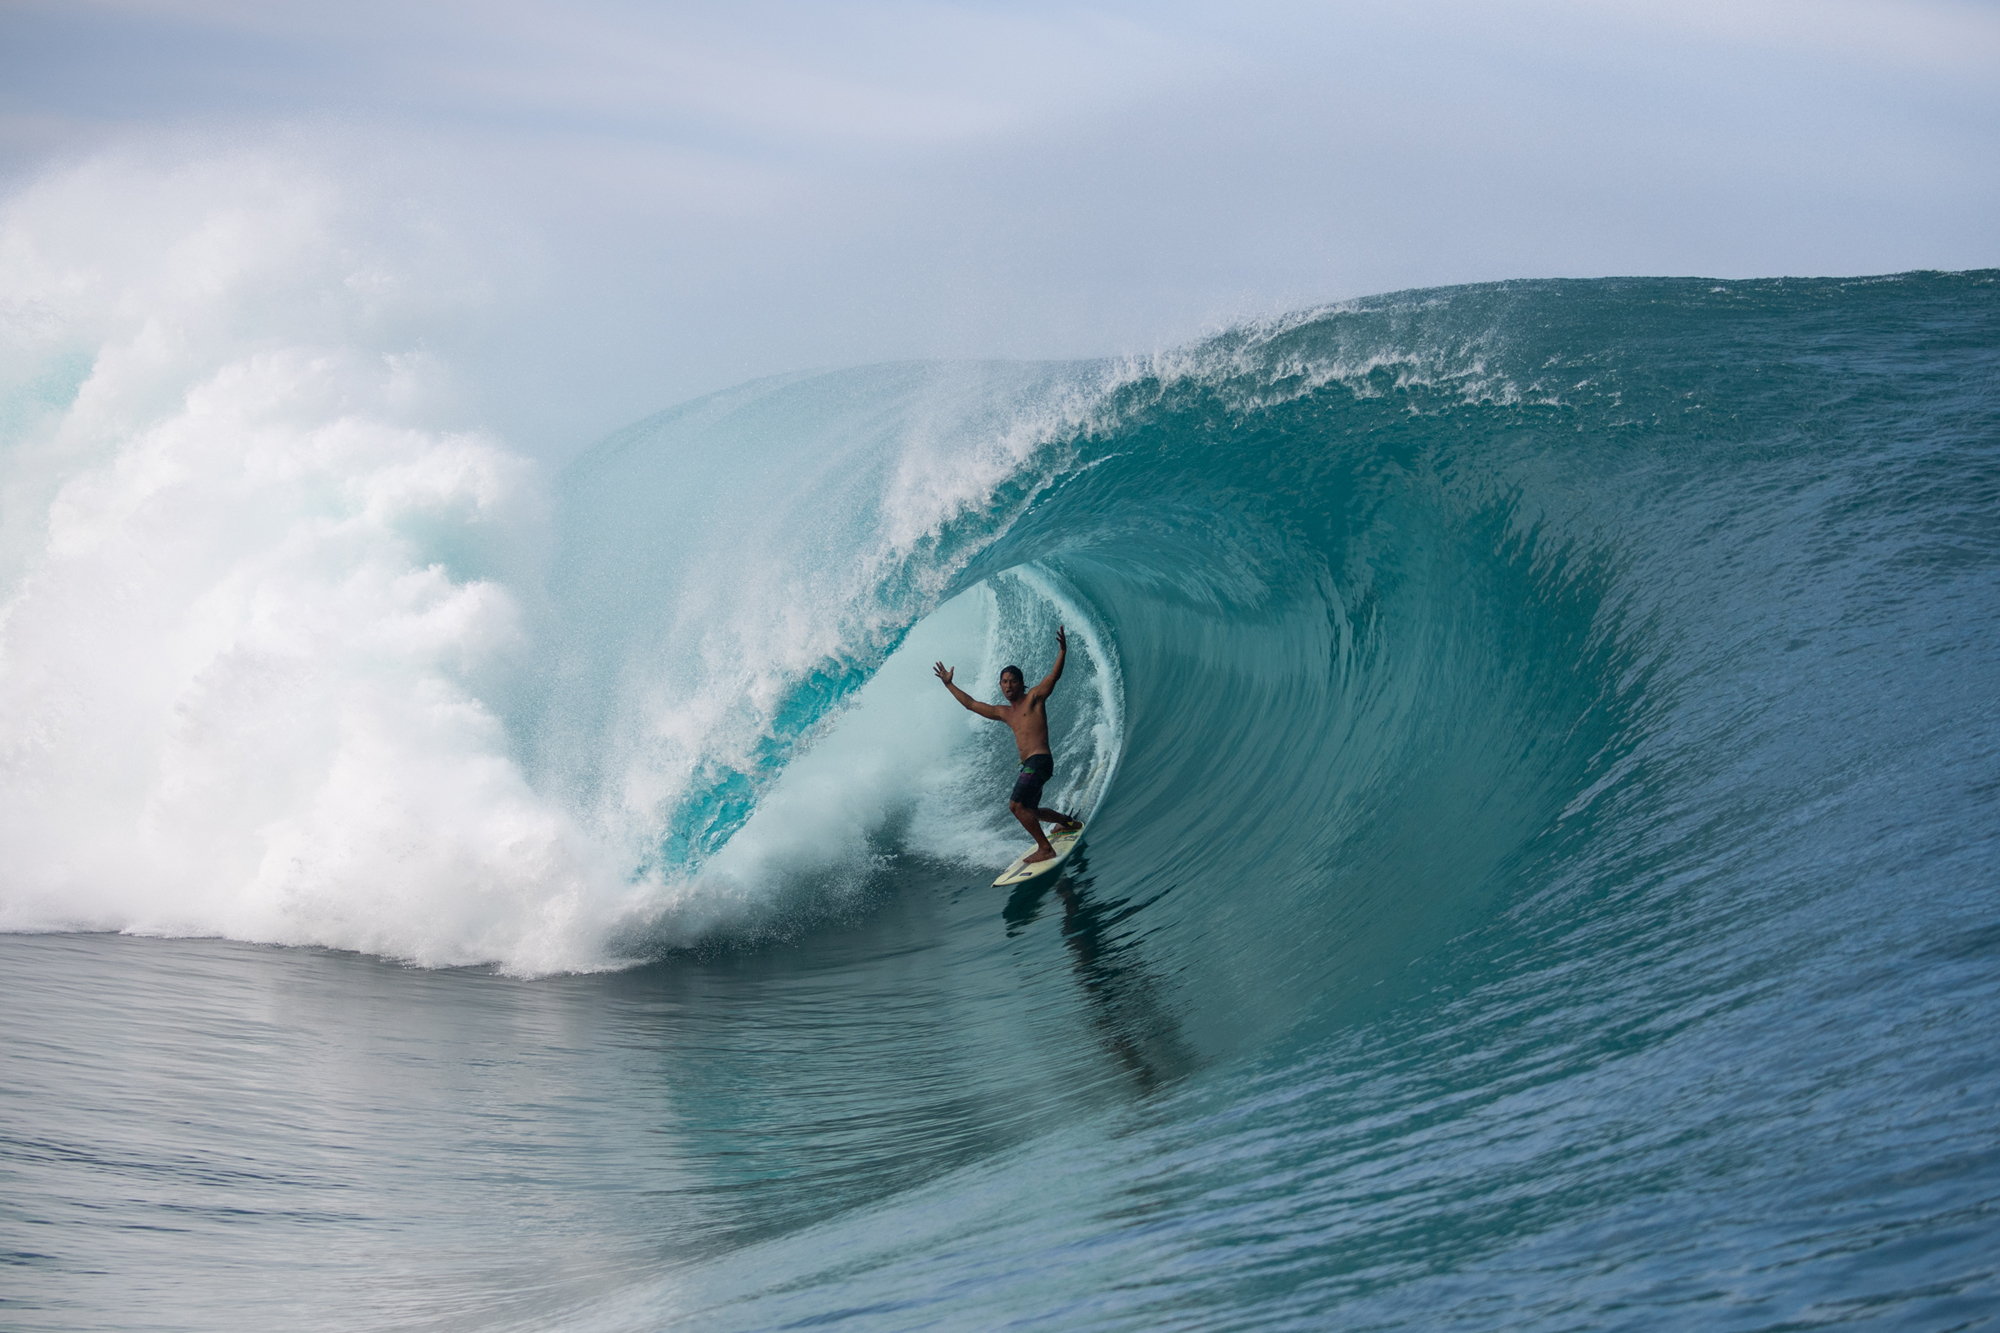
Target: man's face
x,y
1011,686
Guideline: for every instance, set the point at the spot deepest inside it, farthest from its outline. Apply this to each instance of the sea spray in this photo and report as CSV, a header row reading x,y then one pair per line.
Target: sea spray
x,y
289,657
256,612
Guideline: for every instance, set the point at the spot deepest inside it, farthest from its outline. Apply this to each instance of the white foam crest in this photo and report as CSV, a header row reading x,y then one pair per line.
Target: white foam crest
x,y
252,608
1260,364
261,608
267,615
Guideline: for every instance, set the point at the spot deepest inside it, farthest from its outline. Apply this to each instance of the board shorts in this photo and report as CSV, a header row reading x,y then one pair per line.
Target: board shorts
x,y
1036,770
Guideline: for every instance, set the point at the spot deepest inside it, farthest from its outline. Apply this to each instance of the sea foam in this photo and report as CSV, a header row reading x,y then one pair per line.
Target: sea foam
x,y
291,655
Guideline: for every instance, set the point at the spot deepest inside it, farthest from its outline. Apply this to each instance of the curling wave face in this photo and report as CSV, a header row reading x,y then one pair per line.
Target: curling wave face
x,y
1497,711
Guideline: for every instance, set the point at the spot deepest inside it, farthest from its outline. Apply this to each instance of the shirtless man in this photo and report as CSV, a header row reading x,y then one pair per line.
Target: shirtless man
x,y
1027,712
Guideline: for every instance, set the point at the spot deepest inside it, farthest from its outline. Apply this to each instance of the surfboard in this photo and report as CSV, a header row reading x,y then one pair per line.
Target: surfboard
x,y
1021,873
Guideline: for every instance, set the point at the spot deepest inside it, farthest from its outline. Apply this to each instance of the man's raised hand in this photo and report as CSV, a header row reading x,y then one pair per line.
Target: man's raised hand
x,y
943,673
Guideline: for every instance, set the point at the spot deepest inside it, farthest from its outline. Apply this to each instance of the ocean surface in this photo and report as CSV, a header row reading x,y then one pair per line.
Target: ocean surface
x,y
1540,743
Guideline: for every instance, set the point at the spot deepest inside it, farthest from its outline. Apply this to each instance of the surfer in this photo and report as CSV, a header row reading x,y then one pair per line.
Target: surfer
x,y
1026,711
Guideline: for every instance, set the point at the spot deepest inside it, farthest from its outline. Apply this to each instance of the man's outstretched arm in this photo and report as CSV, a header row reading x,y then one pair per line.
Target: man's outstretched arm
x,y
1048,685
984,710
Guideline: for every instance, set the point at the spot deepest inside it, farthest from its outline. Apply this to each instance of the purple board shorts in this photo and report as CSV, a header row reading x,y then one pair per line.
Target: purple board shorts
x,y
1036,770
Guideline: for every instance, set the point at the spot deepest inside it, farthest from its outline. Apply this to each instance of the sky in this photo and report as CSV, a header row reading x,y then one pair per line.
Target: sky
x,y
659,200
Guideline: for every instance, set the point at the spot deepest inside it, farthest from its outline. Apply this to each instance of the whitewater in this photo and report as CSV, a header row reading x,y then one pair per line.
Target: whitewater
x,y
1539,739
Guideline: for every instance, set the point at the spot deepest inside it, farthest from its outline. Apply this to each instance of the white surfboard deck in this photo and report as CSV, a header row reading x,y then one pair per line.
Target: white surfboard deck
x,y
1021,873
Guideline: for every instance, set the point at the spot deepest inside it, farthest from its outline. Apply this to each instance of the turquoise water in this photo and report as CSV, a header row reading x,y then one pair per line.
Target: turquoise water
x,y
1542,757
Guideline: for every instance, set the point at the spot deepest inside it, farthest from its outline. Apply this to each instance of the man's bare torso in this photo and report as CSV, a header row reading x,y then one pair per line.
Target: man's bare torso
x,y
1026,714
1029,720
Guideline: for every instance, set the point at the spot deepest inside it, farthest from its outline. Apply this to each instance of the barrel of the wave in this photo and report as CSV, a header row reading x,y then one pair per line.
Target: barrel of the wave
x,y
1026,715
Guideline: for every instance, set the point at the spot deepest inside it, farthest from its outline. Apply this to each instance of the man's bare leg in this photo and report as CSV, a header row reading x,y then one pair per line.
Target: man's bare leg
x,y
1043,851
1065,823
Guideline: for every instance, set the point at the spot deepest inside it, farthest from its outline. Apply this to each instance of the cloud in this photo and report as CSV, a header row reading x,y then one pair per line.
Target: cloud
x,y
892,74
668,199
1908,35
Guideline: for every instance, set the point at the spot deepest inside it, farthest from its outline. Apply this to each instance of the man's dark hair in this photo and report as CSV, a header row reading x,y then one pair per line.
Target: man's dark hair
x,y
1017,673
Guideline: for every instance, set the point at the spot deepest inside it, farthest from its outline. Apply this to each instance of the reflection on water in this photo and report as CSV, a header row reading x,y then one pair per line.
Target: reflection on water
x,y
1128,1005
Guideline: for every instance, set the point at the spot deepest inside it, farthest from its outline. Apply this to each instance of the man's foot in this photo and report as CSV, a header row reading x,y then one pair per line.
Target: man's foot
x,y
1069,824
1038,855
